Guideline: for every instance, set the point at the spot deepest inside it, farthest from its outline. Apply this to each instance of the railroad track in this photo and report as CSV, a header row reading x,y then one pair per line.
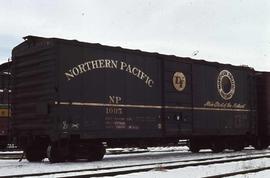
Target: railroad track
x,y
119,170
11,155
17,154
248,171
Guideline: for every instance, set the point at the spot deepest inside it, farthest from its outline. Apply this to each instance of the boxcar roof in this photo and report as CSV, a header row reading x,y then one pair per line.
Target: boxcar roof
x,y
4,67
31,39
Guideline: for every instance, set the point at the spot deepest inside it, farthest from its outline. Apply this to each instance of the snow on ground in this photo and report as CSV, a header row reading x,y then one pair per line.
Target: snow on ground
x,y
202,171
10,152
157,149
13,167
262,174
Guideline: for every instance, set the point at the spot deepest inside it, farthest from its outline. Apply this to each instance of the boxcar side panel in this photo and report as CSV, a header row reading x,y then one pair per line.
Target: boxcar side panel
x,y
108,92
177,97
221,100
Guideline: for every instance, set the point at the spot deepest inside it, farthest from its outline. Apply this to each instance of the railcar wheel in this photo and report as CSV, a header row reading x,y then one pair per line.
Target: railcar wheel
x,y
238,147
194,149
194,146
54,154
2,147
260,145
217,148
34,154
96,152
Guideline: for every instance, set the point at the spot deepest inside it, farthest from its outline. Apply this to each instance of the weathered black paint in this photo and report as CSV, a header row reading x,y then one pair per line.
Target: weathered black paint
x,y
263,102
4,107
47,102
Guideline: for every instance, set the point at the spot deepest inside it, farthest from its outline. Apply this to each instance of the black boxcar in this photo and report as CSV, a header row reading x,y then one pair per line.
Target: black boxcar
x,y
263,105
4,107
70,98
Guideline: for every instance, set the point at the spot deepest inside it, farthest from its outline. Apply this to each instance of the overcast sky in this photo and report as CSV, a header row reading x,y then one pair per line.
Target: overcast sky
x,y
226,31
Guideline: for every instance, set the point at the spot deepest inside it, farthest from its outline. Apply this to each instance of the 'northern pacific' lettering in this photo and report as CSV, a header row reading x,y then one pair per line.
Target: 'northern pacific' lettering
x,y
109,64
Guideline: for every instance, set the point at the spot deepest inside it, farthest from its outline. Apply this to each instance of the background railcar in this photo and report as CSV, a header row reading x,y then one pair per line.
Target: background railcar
x,y
4,107
263,109
70,98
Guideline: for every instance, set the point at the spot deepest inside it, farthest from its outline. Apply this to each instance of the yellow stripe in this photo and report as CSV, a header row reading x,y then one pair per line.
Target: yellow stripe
x,y
3,112
150,106
221,109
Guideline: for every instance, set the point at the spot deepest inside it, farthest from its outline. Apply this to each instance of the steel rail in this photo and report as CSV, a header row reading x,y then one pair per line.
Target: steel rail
x,y
239,172
119,170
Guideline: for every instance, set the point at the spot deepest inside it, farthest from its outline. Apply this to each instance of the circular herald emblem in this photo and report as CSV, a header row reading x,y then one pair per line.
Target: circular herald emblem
x,y
226,84
179,81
